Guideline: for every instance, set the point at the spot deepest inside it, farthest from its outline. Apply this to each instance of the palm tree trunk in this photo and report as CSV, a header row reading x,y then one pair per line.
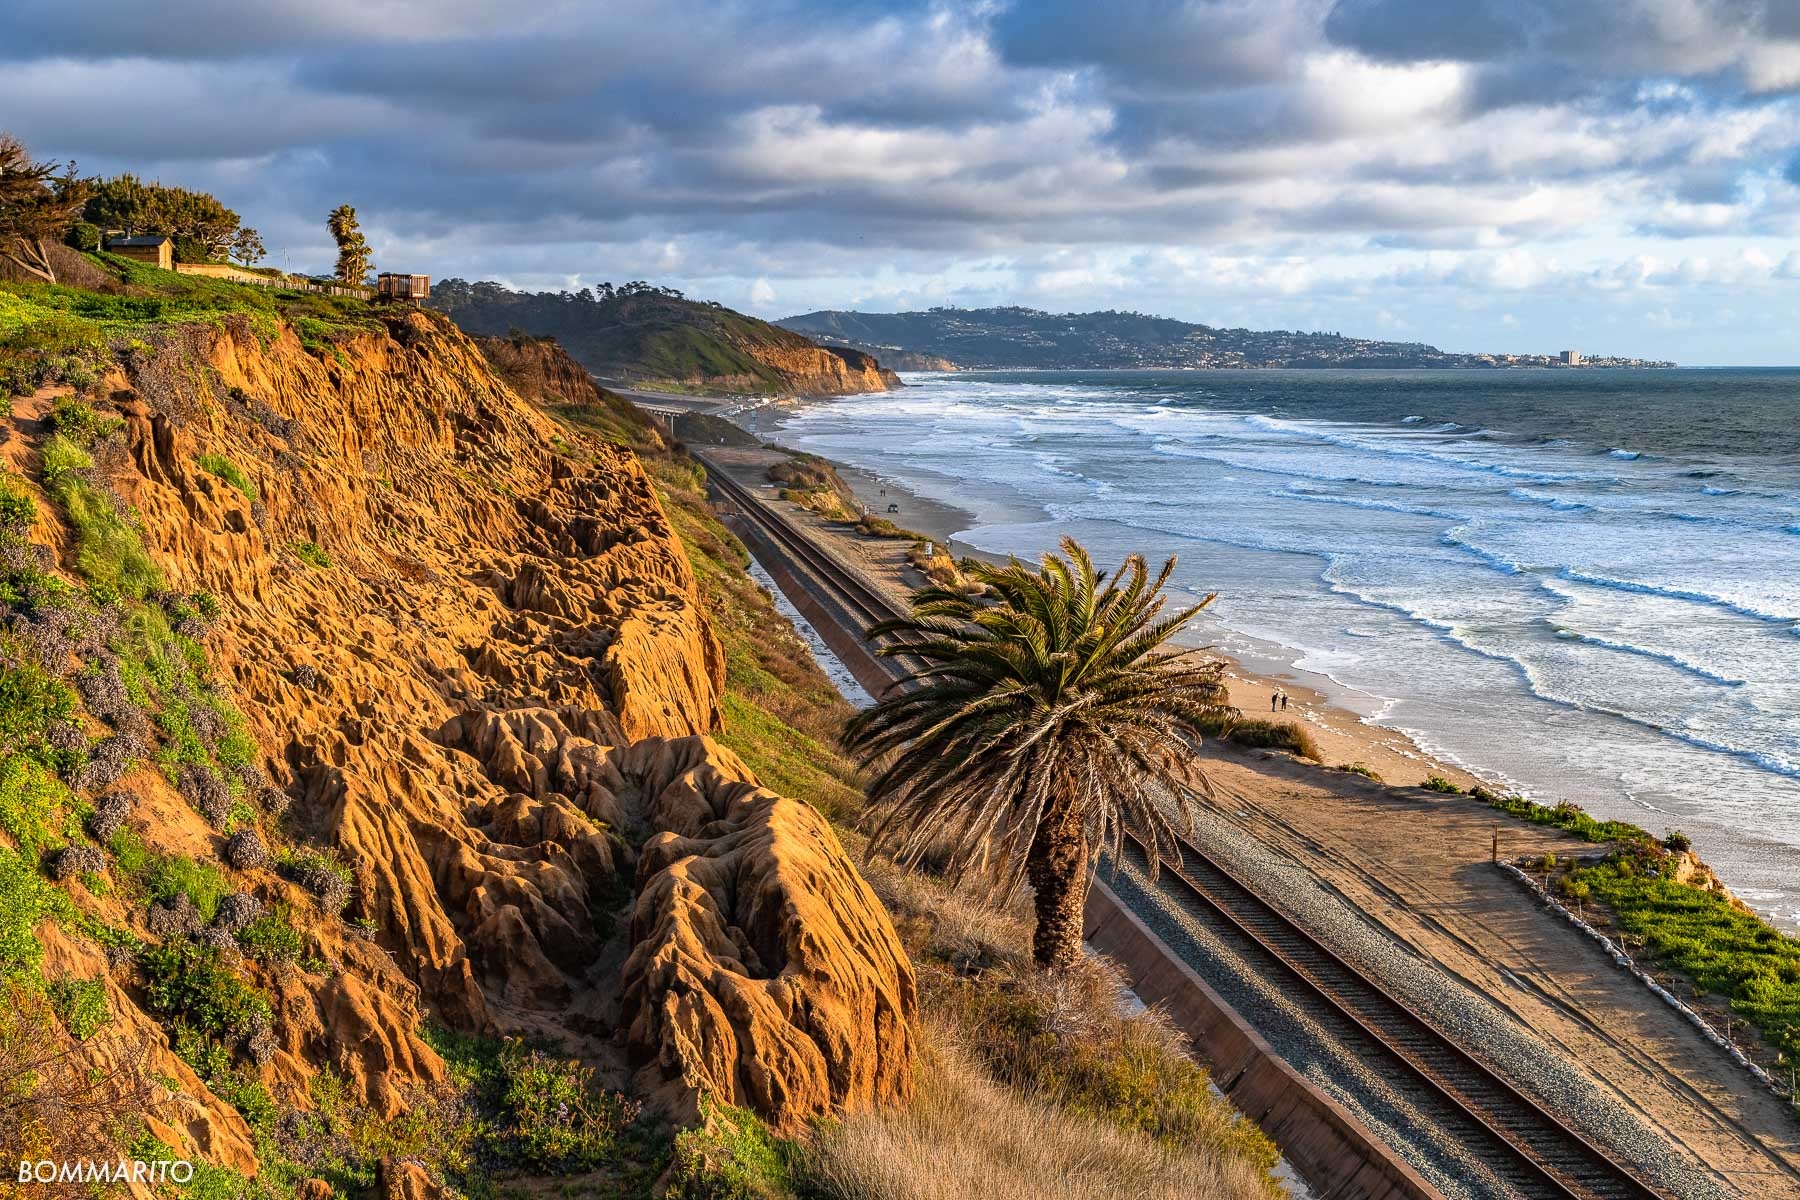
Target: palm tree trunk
x,y
1057,868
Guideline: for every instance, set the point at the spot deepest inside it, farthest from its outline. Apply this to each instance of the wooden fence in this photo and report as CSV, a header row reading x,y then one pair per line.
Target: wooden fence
x,y
292,283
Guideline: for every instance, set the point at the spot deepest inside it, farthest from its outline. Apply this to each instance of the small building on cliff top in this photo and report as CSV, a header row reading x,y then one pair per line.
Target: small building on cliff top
x,y
157,249
391,286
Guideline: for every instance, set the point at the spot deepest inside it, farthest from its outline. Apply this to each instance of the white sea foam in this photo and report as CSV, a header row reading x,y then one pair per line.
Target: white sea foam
x,y
1515,602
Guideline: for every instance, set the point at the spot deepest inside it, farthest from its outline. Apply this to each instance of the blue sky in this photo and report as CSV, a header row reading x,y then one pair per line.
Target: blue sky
x,y
1610,175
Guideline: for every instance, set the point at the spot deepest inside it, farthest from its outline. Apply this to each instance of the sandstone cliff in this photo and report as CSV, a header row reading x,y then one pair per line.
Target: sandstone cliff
x,y
476,677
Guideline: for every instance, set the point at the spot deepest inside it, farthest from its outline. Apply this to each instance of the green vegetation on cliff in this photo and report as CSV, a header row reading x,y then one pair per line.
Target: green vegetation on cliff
x,y
648,335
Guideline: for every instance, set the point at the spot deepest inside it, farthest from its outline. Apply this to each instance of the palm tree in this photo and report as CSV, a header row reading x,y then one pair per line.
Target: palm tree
x,y
1044,719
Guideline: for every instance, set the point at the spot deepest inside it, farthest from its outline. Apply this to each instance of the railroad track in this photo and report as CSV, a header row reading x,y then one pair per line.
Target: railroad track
x,y
1527,1147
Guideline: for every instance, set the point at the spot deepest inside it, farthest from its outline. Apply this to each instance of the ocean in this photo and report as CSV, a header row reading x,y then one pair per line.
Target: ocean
x,y
1580,584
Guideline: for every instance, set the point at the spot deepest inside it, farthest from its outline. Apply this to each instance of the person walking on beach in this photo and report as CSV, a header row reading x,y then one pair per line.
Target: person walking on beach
x,y
1274,701
1284,702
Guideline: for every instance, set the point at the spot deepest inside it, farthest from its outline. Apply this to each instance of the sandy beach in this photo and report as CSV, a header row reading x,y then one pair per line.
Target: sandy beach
x,y
1344,737
1415,865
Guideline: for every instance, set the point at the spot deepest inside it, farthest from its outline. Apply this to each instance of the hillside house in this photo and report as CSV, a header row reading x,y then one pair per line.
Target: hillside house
x,y
391,286
157,249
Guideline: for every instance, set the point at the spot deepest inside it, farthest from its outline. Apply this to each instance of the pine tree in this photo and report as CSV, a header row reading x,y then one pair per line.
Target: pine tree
x,y
353,249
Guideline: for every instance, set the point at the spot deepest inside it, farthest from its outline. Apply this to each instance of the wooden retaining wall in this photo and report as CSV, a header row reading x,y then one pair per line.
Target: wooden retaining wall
x,y
1334,1152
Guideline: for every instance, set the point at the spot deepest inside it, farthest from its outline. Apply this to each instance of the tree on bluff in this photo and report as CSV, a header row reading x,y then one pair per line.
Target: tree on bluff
x,y
202,227
37,206
353,249
246,246
1045,720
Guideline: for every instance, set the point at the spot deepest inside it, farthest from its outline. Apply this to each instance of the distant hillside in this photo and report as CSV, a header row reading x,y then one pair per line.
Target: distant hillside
x,y
656,337
1001,338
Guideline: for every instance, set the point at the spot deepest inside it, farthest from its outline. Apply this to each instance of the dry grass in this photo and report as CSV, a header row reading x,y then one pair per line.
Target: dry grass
x,y
967,1135
59,1099
1010,1048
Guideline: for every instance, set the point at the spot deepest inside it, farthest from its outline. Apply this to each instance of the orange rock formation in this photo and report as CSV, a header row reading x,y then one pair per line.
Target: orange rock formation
x,y
491,702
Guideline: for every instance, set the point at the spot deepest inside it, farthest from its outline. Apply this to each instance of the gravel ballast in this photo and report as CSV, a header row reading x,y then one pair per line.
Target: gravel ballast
x,y
1317,1051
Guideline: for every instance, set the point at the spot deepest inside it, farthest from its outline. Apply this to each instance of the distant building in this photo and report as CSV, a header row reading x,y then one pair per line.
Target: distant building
x,y
1571,358
390,286
157,249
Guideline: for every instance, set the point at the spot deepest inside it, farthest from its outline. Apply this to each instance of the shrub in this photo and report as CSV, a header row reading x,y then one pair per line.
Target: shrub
x,y
109,815
1677,841
245,851
25,901
1275,735
1564,816
55,1102
81,1004
32,703
237,911
271,937
163,877
18,511
557,1120
71,861
1359,769
230,472
1725,950
319,874
36,810
77,421
731,1156
190,984
310,554
108,551
83,236
1437,783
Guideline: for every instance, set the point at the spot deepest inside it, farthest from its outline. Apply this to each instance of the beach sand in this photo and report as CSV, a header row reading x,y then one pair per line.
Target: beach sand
x,y
1416,865
1343,736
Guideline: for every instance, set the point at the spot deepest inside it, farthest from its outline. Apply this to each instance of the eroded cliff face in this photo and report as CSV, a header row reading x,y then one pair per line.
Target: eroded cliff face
x,y
805,370
476,664
827,370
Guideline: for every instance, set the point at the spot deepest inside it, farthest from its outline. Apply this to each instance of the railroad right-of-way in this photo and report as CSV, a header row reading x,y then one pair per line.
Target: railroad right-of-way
x,y
1488,1119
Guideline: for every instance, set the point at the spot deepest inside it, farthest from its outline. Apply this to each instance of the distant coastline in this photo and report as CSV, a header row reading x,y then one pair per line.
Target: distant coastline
x,y
1013,339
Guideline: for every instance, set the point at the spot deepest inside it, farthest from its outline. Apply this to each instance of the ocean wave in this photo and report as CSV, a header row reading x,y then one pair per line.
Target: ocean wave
x,y
1718,491
1173,450
1359,502
1454,634
1556,502
1673,660
1627,455
1412,420
1363,445
1498,561
1675,593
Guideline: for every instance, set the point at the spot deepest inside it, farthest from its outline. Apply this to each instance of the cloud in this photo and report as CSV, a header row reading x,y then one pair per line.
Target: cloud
x,y
1303,148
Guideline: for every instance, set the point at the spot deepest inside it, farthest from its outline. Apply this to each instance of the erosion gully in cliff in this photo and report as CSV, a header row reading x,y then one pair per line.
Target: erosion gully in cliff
x,y
478,670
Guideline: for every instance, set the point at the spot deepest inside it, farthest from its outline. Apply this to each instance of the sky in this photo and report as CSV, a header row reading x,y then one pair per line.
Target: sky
x,y
1613,176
